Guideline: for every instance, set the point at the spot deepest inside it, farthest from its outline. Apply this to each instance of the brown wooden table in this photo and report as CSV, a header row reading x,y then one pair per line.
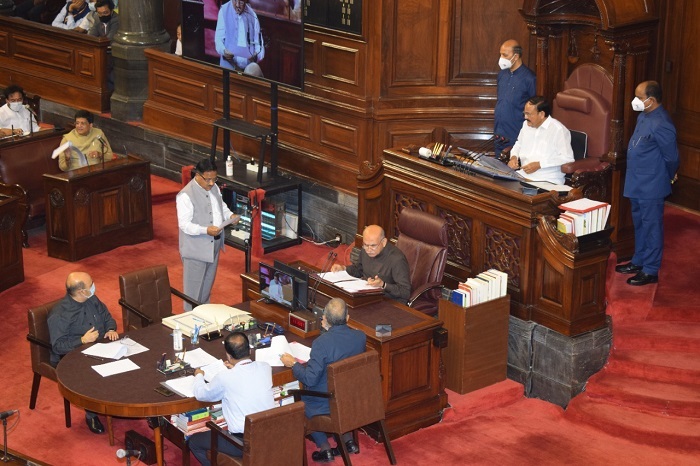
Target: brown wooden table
x,y
131,394
11,259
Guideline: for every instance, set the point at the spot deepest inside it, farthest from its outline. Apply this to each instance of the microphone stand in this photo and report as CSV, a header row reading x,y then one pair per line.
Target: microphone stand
x,y
5,458
102,143
327,265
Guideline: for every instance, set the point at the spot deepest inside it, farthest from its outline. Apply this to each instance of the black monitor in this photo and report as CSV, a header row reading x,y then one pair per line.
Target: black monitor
x,y
269,45
301,284
276,286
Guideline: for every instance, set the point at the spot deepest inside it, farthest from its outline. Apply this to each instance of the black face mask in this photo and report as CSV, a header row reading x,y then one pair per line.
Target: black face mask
x,y
105,19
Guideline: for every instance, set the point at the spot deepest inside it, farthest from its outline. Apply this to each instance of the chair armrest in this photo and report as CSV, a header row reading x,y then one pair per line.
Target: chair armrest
x,y
184,297
587,164
132,309
421,291
298,393
217,431
37,341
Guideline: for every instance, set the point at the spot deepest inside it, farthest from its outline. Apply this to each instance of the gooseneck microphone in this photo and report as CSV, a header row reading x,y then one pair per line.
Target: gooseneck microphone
x,y
31,123
326,267
103,143
5,414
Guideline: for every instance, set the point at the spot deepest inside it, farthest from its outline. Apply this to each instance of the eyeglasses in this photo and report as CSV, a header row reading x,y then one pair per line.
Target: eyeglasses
x,y
207,180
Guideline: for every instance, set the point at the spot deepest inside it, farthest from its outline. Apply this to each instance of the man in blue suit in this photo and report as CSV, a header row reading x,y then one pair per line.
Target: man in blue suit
x,y
337,343
652,162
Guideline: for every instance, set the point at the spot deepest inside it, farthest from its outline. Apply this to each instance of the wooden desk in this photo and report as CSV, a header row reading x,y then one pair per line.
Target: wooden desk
x,y
94,209
410,359
132,394
552,280
11,261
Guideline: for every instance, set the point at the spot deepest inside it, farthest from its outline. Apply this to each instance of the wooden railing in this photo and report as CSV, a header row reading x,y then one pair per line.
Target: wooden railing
x,y
61,66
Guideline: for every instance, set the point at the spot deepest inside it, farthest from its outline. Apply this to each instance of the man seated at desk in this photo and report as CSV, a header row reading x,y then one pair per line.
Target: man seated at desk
x,y
382,264
246,388
543,145
78,319
107,23
337,343
90,141
15,117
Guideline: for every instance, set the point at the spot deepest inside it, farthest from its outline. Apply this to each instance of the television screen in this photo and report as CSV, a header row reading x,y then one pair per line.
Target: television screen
x,y
301,284
261,38
276,286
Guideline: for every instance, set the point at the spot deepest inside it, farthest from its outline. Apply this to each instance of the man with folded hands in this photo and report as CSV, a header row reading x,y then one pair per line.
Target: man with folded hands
x,y
78,319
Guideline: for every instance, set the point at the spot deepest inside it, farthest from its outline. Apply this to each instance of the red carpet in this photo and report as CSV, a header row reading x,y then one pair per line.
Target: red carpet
x,y
642,409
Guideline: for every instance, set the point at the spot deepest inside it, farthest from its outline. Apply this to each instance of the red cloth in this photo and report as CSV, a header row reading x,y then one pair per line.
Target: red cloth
x,y
186,174
256,197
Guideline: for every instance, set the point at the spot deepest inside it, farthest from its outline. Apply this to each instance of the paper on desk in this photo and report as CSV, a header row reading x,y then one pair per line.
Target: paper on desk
x,y
116,367
357,285
183,386
335,277
132,347
278,346
197,358
547,186
213,369
111,350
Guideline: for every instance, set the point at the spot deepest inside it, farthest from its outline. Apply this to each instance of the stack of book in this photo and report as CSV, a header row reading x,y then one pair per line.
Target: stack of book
x,y
281,393
583,216
195,421
492,284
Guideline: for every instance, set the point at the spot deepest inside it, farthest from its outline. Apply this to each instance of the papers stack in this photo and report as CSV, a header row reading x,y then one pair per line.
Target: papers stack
x,y
278,346
115,349
583,216
347,282
210,317
492,284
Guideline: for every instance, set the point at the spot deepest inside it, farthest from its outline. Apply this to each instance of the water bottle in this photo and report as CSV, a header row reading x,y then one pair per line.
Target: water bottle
x,y
229,166
177,338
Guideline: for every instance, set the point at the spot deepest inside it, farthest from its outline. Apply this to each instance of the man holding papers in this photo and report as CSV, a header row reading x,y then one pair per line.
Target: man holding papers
x,y
80,318
90,142
337,343
381,264
245,388
200,214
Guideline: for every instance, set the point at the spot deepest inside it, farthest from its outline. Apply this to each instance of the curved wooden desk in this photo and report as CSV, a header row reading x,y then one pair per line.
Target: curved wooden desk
x,y
132,394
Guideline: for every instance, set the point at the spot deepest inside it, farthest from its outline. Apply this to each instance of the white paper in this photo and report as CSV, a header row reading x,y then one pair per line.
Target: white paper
x,y
61,149
335,277
212,317
547,186
197,358
229,221
111,350
347,282
213,369
278,346
183,386
132,346
116,367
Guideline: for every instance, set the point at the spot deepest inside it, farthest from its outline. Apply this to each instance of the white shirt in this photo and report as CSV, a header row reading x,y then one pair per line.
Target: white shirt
x,y
17,120
244,389
185,212
549,144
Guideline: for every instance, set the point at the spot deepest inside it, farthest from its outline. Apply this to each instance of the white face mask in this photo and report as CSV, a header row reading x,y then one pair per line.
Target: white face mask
x,y
504,63
91,6
638,104
92,290
16,106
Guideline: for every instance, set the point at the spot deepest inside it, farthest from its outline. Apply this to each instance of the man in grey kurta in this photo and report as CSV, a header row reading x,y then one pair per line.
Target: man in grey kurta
x,y
200,213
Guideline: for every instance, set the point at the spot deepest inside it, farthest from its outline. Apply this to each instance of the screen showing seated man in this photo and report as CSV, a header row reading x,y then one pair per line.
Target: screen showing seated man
x,y
276,286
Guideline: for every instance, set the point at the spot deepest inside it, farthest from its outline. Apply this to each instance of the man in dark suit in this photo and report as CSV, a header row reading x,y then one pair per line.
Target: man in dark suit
x,y
337,343
652,162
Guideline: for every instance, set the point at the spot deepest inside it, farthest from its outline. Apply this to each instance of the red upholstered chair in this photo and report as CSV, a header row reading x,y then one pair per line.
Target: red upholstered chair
x,y
272,437
423,239
355,398
584,107
40,352
146,297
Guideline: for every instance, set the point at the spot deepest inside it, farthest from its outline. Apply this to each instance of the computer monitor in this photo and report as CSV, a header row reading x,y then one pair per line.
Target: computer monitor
x,y
301,284
276,286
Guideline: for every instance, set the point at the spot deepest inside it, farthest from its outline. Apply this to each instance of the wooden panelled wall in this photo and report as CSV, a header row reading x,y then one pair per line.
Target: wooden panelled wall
x,y
420,71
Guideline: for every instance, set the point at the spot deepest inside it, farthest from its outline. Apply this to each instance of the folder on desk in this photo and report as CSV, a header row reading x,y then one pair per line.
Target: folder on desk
x,y
348,283
211,317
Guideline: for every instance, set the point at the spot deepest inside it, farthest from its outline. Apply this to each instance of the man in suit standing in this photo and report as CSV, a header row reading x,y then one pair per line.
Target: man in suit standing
x,y
200,212
337,343
652,162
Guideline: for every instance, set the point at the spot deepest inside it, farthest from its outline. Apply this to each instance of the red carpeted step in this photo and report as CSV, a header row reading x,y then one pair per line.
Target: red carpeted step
x,y
637,426
659,336
690,313
659,397
667,366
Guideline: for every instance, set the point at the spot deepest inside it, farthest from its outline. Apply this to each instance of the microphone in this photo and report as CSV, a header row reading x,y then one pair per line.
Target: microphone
x,y
326,266
31,123
5,414
121,453
103,143
31,110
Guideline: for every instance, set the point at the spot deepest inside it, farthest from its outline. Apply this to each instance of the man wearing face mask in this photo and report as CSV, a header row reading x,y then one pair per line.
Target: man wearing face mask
x,y
108,21
652,162
80,318
15,118
516,84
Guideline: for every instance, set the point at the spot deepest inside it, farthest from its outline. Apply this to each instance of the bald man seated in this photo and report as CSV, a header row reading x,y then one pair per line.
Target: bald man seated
x,y
381,264
80,318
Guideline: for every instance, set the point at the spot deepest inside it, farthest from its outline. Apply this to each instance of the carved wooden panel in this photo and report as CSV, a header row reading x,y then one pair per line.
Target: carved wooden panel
x,y
340,136
552,281
187,91
340,63
502,252
108,207
459,232
45,54
296,122
411,370
410,61
310,55
86,65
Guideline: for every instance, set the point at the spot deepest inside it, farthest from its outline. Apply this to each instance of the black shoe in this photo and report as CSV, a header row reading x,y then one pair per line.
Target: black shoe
x,y
642,279
350,445
95,425
323,456
628,268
